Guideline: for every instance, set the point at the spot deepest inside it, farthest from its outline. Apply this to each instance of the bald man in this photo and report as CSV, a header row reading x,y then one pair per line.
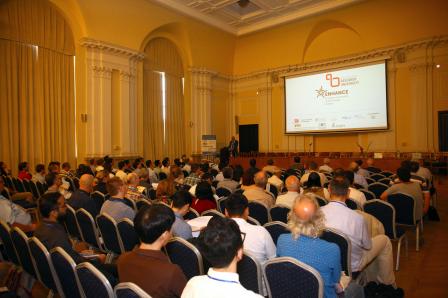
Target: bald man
x,y
81,197
292,184
258,193
306,224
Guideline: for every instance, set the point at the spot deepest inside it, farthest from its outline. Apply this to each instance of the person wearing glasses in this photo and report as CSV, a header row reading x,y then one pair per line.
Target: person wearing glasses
x,y
221,243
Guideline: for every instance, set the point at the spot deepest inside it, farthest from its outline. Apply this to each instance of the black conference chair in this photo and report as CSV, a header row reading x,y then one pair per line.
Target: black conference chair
x,y
130,203
222,204
273,190
44,265
275,229
212,212
71,224
65,268
41,187
129,290
288,277
334,236
368,194
249,270
143,203
253,221
8,182
385,180
370,180
186,255
405,207
385,213
18,184
259,212
127,234
378,188
223,192
352,204
279,213
110,234
20,241
387,174
93,283
99,198
5,236
88,228
377,176
191,214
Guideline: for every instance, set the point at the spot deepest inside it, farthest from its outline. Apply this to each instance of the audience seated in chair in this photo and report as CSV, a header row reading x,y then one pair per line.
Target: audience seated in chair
x,y
133,192
115,205
81,197
354,194
293,186
370,166
374,255
325,168
313,186
358,178
204,199
24,171
180,203
312,168
101,179
270,168
361,171
258,241
148,267
258,192
227,172
39,176
221,244
275,180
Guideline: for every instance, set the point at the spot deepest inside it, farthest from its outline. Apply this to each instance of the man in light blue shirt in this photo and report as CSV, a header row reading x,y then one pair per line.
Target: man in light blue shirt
x,y
181,202
115,206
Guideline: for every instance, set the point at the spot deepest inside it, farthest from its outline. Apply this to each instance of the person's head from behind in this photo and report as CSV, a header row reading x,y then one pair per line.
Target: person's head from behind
x,y
148,163
227,172
350,176
306,218
204,191
253,162
292,183
116,187
339,188
270,162
261,179
278,173
221,243
53,168
102,176
404,174
359,162
313,180
207,177
86,183
23,166
312,166
415,166
296,159
132,179
121,165
166,162
181,201
153,224
248,179
370,162
66,166
406,164
354,167
327,161
52,206
237,206
157,163
205,167
40,168
53,179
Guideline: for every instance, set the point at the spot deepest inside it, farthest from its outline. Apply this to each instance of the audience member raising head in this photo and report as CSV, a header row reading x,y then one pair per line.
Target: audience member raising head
x,y
180,203
148,267
221,244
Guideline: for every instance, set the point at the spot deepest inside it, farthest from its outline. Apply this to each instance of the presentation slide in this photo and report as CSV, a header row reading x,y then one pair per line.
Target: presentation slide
x,y
337,100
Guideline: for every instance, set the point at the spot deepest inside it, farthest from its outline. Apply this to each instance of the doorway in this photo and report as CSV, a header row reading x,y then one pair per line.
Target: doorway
x,y
248,138
443,131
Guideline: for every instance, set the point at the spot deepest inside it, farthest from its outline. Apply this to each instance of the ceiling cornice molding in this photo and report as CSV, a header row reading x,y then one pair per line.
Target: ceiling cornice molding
x,y
111,48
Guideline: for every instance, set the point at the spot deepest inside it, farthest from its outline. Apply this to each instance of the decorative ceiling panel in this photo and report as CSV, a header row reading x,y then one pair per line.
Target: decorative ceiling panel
x,y
245,16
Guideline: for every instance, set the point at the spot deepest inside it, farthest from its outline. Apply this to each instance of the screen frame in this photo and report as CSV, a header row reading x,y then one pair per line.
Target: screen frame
x,y
338,131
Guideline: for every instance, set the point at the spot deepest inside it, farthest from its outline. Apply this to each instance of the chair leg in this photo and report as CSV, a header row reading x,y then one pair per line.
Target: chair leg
x,y
406,245
397,264
417,237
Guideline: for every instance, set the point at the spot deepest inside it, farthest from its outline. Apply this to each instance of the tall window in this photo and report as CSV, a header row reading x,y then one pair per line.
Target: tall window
x,y
164,127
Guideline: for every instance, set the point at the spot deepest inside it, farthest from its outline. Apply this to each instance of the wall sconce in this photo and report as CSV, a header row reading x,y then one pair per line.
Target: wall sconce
x,y
191,124
84,118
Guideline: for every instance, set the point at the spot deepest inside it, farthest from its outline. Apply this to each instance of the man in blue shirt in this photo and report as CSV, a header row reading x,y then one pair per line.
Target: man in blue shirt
x,y
306,224
181,202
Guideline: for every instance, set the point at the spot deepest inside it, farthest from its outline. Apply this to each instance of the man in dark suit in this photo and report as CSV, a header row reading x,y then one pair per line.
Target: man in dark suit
x,y
233,147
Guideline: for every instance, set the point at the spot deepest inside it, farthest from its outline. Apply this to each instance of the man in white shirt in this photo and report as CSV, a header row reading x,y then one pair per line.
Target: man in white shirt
x,y
40,174
276,181
121,173
221,244
374,255
293,187
258,193
313,168
326,166
354,194
258,241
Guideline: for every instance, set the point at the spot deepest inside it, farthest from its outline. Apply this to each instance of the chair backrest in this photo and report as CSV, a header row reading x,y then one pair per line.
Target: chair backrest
x,y
386,173
279,213
378,188
288,277
337,237
20,241
273,190
385,213
377,176
212,212
65,269
93,282
370,180
41,187
71,223
275,229
128,234
130,203
129,290
320,200
18,184
142,203
109,232
99,198
253,221
5,236
223,192
88,227
34,189
259,212
222,204
44,265
249,271
405,206
26,184
186,255
8,182
191,214
76,182
352,204
385,180
368,194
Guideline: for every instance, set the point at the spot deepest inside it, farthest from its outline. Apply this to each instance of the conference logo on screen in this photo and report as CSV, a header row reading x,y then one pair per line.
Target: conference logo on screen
x,y
337,87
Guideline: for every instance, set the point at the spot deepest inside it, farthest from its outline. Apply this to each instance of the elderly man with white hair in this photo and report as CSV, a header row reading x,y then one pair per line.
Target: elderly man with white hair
x,y
81,197
326,166
258,193
293,187
134,192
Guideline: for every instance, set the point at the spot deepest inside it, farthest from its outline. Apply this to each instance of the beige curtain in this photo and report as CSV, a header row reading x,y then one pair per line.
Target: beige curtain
x,y
161,55
36,84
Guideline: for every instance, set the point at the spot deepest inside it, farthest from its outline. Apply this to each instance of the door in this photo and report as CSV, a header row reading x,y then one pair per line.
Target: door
x,y
248,138
443,131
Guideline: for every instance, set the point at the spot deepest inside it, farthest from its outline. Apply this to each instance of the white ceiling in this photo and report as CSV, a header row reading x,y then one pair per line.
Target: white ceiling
x,y
257,15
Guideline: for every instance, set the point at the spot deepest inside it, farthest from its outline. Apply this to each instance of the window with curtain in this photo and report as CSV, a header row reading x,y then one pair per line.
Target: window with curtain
x,y
37,90
164,128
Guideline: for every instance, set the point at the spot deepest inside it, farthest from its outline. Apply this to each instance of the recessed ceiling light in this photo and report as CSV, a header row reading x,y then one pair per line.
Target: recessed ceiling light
x,y
438,65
